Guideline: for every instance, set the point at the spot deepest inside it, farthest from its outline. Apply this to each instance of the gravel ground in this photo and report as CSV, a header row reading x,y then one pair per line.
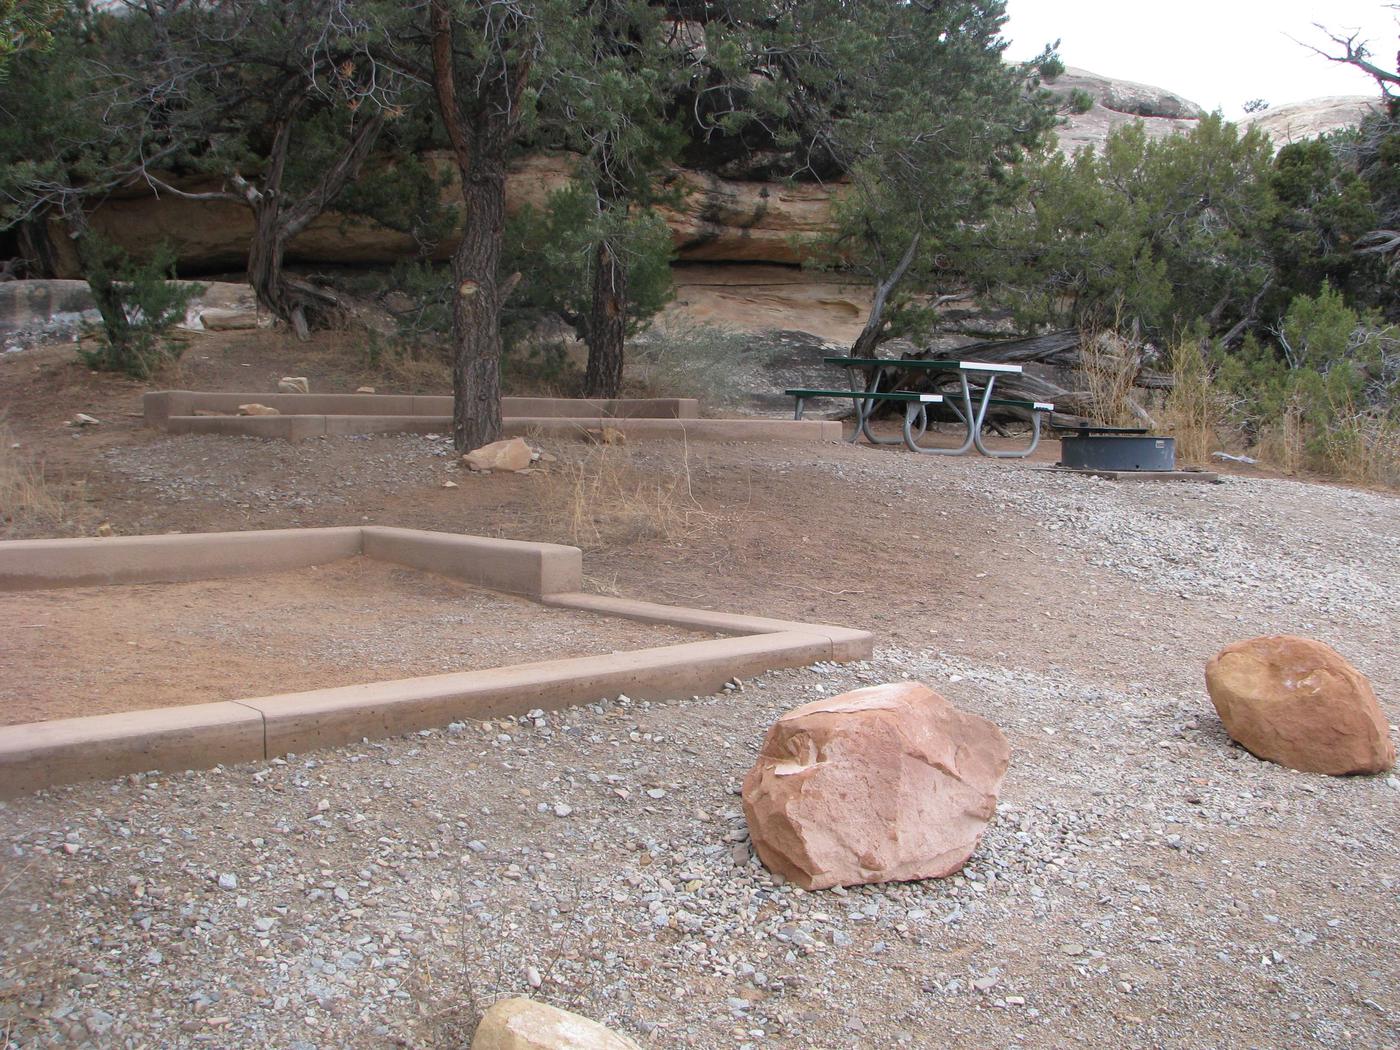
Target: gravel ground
x,y
1145,883
1327,550
260,475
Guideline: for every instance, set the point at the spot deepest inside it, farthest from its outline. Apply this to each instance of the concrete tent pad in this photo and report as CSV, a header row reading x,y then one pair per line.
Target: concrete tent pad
x,y
40,754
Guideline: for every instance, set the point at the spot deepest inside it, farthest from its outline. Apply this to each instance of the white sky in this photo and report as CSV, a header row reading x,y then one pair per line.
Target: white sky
x,y
1218,53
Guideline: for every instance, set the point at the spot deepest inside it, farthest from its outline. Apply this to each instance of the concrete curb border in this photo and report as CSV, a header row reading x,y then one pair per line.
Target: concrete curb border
x,y
306,416
46,754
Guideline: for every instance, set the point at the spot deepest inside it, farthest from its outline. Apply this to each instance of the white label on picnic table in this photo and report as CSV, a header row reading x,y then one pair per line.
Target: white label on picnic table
x,y
930,397
1045,405
985,366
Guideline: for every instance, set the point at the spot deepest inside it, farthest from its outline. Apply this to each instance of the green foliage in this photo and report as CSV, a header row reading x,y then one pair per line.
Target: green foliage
x,y
26,25
52,137
1155,233
1323,207
1333,387
1079,101
404,192
417,294
139,304
915,104
553,247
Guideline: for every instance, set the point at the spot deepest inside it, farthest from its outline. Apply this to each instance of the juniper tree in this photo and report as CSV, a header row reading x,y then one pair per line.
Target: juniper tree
x,y
281,100
914,104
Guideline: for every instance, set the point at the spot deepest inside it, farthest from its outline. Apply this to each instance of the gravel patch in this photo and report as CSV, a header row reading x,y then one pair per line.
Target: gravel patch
x,y
1142,880
1254,540
260,474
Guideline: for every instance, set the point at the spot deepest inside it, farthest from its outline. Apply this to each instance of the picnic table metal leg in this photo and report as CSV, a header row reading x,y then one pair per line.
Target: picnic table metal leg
x,y
865,406
965,412
801,404
1021,453
860,404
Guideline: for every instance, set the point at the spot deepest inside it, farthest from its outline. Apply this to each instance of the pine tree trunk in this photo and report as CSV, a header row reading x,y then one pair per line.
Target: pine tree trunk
x,y
476,333
607,325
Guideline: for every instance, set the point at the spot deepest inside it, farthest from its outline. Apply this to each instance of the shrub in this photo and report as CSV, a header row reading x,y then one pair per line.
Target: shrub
x,y
139,304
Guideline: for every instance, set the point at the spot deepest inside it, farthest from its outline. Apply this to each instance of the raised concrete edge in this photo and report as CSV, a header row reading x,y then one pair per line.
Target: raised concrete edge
x,y
795,430
327,718
847,643
62,751
158,406
67,750
515,566
48,754
298,427
38,564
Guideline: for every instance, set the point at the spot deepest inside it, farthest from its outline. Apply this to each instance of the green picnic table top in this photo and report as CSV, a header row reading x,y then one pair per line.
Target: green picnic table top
x,y
882,395
941,365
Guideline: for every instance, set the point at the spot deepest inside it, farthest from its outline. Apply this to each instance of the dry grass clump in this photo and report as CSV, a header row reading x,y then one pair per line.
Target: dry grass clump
x,y
1283,443
1108,369
602,497
1364,449
1194,410
679,357
29,504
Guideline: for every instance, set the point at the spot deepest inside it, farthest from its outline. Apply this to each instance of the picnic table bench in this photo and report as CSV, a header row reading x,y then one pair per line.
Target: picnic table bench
x,y
970,405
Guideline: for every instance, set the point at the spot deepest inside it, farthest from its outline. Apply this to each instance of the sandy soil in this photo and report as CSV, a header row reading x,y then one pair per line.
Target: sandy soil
x,y
96,650
1145,883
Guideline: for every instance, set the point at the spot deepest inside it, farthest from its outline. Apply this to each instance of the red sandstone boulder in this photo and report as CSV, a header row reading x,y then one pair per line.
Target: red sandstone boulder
x,y
1297,702
879,785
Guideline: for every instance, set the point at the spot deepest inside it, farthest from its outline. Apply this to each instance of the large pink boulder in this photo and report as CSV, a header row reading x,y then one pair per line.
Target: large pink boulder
x,y
878,785
1298,702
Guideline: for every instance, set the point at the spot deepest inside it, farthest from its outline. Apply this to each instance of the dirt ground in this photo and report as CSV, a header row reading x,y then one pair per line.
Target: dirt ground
x,y
1145,884
96,650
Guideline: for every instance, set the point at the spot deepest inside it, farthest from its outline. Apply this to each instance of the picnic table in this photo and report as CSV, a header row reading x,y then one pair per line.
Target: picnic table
x,y
970,405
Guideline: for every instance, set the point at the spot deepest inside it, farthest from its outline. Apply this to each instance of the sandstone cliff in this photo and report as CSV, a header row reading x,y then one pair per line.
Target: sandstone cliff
x,y
1313,118
738,240
719,220
1118,102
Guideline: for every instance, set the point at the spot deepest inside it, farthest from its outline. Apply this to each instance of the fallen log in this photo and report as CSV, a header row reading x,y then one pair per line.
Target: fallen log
x,y
1058,352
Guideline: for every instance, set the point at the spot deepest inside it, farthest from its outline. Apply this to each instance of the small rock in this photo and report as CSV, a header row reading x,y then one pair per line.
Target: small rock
x,y
228,881
82,419
257,410
364,390
508,456
523,1024
293,385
